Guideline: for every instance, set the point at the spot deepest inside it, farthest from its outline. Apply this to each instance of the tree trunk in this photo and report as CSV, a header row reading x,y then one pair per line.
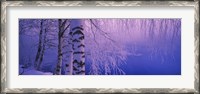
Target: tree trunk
x,y
78,47
39,46
59,64
69,63
42,51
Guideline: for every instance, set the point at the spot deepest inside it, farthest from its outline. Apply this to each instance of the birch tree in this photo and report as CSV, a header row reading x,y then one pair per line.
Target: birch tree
x,y
38,58
68,64
43,43
78,47
61,30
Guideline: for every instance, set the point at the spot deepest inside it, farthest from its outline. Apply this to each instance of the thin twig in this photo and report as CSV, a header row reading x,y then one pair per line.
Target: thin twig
x,y
93,34
102,32
65,30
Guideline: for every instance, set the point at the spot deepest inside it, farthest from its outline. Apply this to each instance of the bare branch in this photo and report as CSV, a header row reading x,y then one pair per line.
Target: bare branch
x,y
64,30
93,34
102,32
64,23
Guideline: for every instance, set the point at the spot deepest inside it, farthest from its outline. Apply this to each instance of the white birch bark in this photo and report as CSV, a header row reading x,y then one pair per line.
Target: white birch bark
x,y
69,63
78,47
59,63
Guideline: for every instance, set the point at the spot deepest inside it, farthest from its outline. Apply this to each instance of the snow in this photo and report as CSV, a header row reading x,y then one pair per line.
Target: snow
x,y
29,71
35,72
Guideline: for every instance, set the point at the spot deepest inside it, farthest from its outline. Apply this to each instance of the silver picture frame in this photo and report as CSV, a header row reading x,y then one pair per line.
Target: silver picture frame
x,y
5,4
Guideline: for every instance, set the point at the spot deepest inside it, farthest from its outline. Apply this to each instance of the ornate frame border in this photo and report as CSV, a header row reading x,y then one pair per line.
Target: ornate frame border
x,y
5,4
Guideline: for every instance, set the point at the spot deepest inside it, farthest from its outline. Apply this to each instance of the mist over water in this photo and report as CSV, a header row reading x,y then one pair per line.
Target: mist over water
x,y
139,46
